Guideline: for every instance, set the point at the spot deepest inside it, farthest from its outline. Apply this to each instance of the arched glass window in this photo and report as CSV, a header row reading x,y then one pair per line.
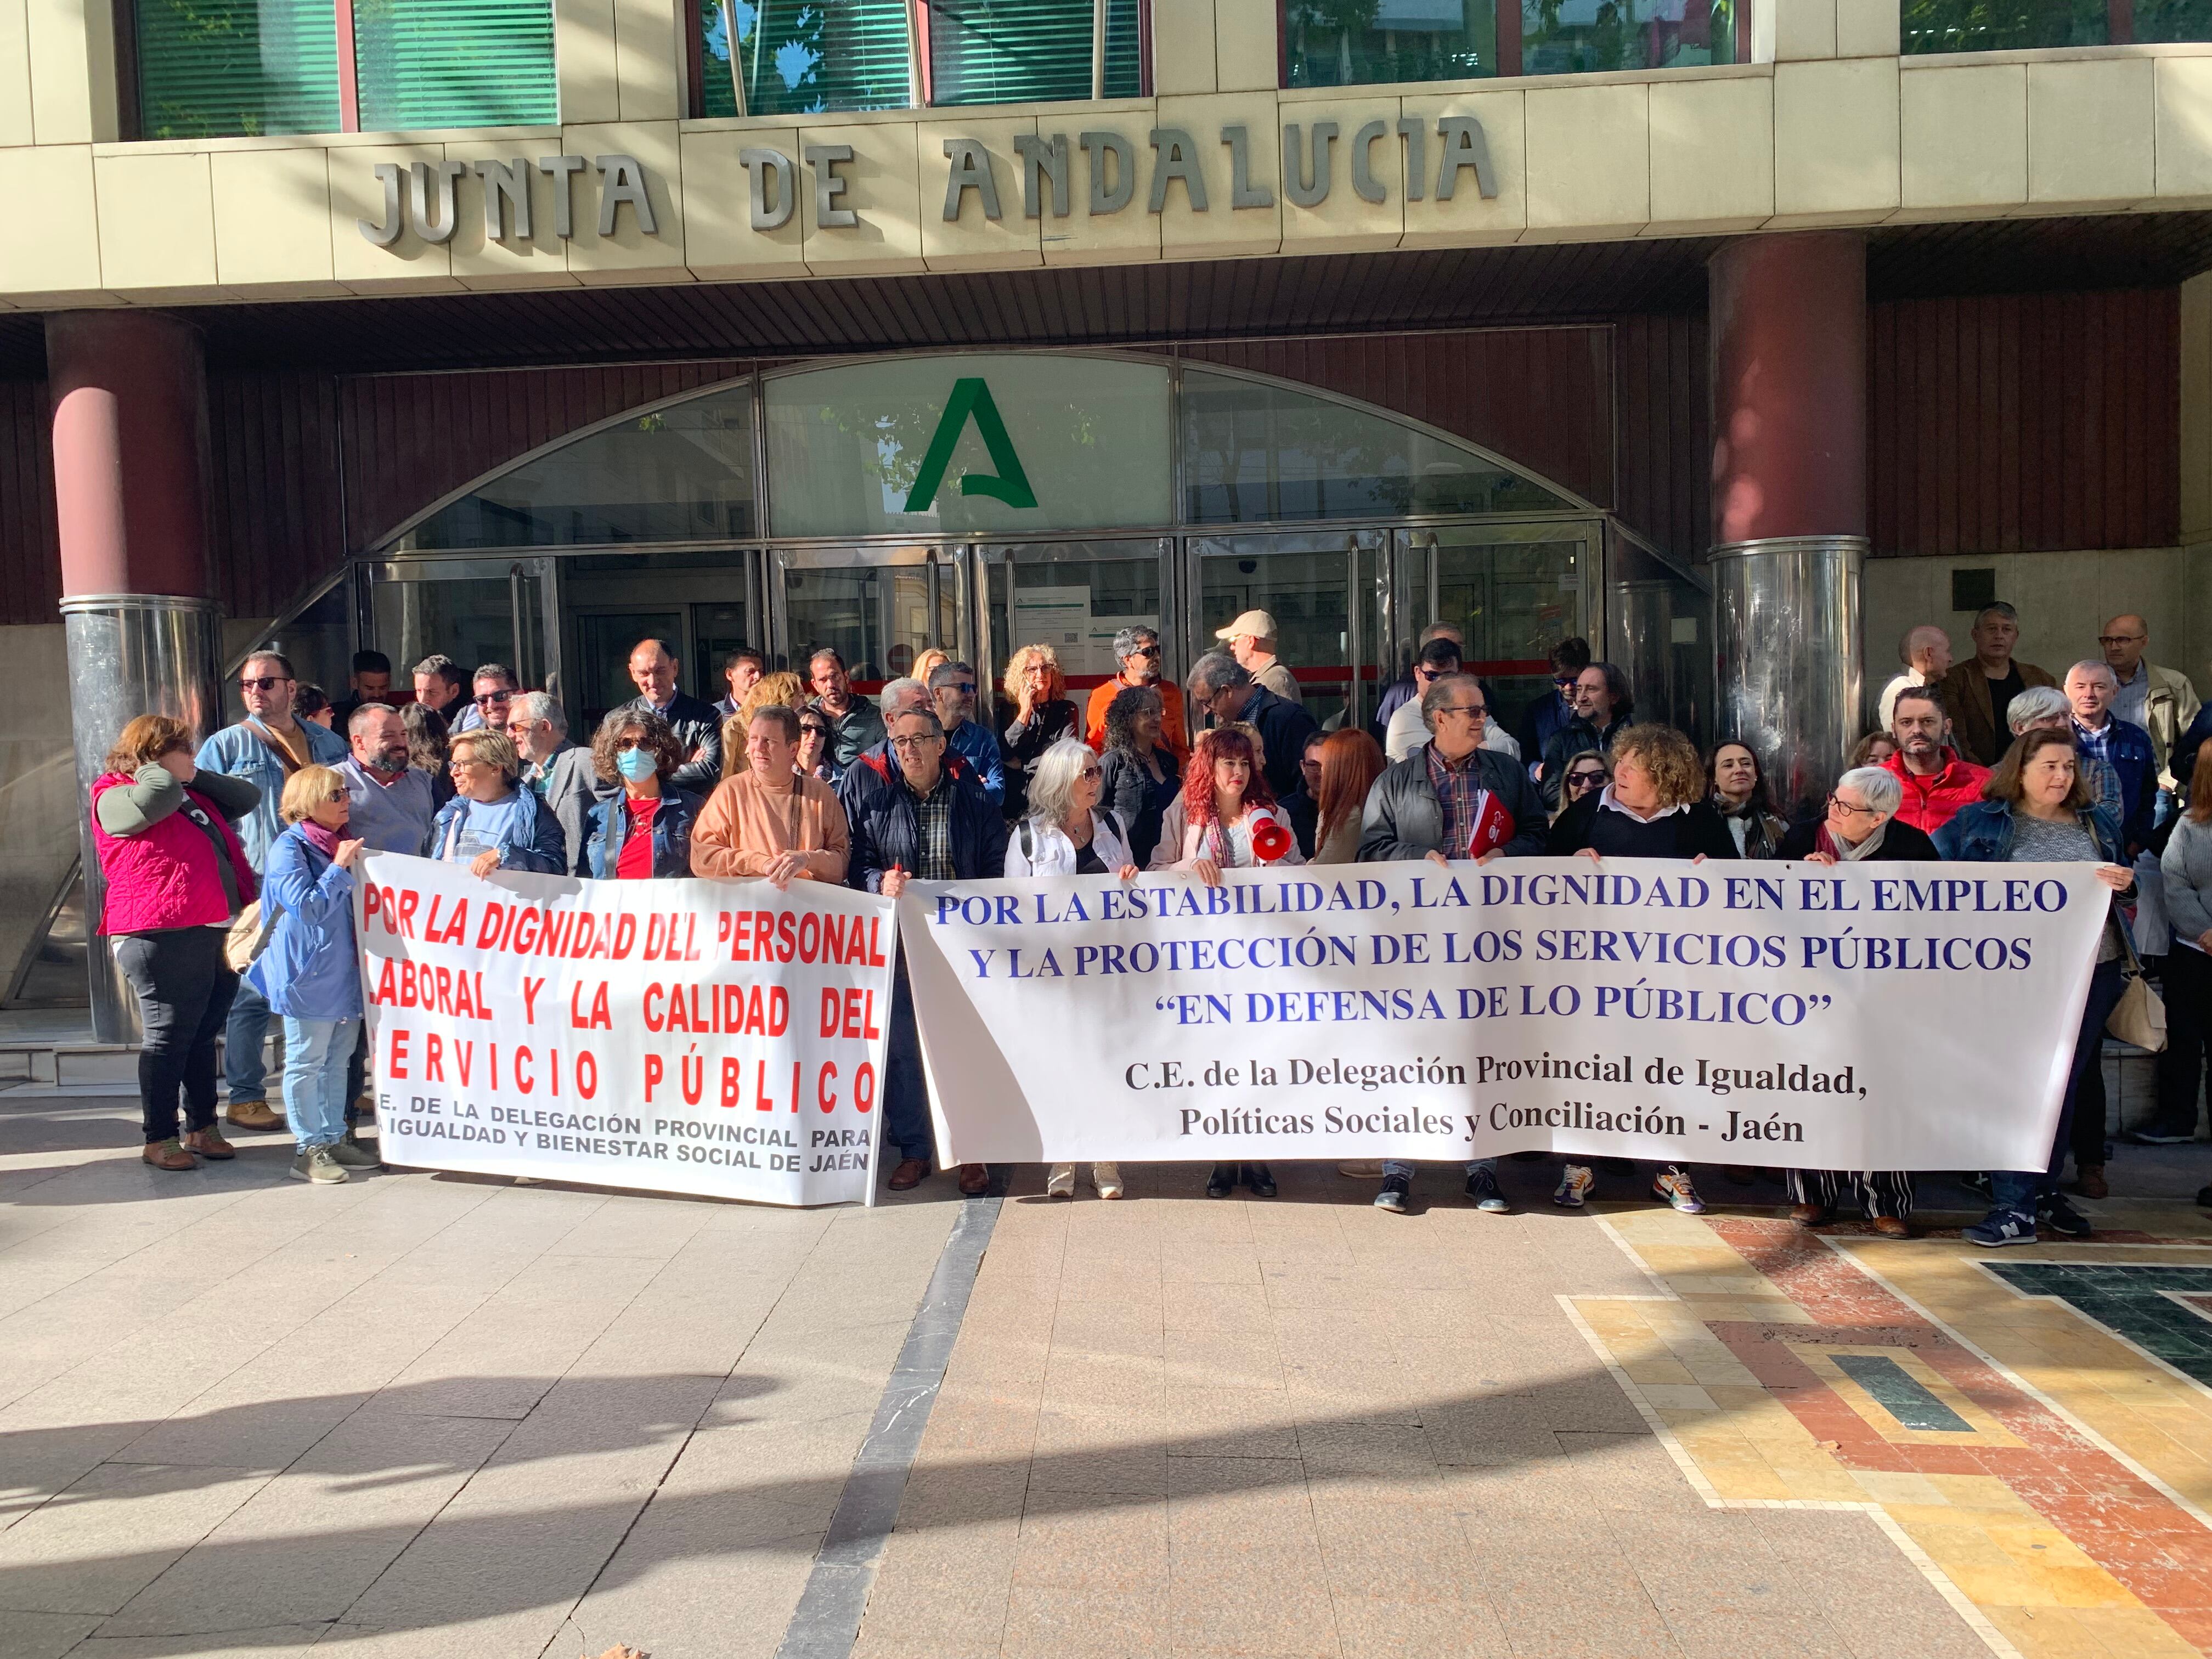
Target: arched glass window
x,y
1260,452
682,472
997,444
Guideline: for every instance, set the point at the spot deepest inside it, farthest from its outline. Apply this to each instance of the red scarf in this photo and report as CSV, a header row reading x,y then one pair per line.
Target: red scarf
x,y
325,842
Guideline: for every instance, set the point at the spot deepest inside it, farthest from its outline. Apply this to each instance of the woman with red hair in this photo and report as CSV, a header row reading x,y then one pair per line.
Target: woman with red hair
x,y
1226,802
1227,805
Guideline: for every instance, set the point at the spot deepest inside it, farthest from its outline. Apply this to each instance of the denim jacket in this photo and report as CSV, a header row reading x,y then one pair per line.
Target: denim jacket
x,y
671,834
240,753
310,970
1981,833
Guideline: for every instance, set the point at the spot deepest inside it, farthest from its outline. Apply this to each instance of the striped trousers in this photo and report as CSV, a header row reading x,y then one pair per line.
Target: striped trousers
x,y
1880,1192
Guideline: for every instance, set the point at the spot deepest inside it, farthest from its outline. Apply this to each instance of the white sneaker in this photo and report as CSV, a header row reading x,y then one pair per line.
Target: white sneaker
x,y
316,1164
1060,1183
1109,1177
1673,1184
1574,1183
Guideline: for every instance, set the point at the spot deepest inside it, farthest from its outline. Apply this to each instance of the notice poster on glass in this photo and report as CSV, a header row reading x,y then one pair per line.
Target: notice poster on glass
x,y
1060,617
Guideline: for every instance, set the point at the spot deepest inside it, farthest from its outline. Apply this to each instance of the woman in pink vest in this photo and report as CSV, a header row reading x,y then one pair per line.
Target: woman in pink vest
x,y
176,878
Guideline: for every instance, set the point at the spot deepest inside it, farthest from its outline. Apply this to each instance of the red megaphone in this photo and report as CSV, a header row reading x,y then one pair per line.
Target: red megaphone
x,y
1271,837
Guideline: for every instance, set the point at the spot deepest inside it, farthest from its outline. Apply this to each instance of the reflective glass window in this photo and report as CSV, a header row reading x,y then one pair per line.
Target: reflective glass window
x,y
683,472
803,56
1020,51
1329,44
1255,452
219,68
1000,442
1575,36
2006,24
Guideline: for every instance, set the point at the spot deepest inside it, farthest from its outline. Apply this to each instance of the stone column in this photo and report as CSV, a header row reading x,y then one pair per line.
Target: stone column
x,y
1789,503
129,394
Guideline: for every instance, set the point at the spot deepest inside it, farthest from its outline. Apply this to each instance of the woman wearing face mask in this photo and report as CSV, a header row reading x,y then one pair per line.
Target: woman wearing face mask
x,y
644,833
1738,794
310,971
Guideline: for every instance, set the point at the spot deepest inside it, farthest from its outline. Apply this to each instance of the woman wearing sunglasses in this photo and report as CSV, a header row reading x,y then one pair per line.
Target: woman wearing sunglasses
x,y
644,833
310,972
490,824
1587,771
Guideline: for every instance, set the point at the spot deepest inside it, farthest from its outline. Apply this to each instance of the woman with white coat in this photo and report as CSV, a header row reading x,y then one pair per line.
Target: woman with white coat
x,y
1067,834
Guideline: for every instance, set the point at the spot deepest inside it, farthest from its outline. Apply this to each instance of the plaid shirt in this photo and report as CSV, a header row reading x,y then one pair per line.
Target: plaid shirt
x,y
932,816
1459,792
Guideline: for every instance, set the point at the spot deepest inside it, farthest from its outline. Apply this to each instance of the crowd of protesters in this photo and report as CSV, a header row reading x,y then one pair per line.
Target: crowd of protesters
x,y
229,868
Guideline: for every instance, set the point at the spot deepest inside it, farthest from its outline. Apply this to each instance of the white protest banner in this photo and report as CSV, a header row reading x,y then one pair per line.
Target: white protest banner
x,y
1881,1016
686,1036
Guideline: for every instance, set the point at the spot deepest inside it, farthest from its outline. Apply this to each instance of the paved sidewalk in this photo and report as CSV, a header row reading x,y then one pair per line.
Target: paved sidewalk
x,y
418,1415
427,1415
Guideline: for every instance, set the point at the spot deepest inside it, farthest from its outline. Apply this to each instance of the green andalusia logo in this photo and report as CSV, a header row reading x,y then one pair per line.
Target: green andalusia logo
x,y
971,400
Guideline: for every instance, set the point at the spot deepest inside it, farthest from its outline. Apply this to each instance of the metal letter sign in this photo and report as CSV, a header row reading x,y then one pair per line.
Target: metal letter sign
x,y
971,397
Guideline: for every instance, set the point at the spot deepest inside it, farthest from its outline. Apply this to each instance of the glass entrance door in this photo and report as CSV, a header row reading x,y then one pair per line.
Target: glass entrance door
x,y
877,607
1513,591
474,610
702,603
1075,596
1310,584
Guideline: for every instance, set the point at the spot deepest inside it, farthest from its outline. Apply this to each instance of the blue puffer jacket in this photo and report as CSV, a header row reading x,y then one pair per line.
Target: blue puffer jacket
x,y
310,970
671,834
1981,833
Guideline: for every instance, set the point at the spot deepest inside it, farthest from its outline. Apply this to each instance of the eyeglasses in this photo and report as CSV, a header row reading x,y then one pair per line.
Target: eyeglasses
x,y
1584,780
629,744
1836,803
462,763
1565,682
912,745
2122,639
520,725
1088,772
486,699
1474,708
1142,651
264,683
813,730
965,688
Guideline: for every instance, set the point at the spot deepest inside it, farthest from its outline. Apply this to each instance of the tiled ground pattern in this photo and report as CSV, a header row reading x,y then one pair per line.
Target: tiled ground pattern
x,y
1311,1428
2065,1503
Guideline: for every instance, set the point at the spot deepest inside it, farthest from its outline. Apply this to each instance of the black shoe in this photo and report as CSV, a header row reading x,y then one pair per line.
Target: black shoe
x,y
1222,1182
2152,1135
2063,1219
1396,1190
2204,1197
1482,1192
1261,1179
1527,1158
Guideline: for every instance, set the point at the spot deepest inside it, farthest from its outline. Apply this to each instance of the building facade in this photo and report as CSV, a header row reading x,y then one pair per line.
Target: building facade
x,y
1735,336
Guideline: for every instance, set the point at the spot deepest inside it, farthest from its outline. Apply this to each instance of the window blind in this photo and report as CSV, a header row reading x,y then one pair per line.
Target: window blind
x,y
227,69
803,56
455,63
1019,52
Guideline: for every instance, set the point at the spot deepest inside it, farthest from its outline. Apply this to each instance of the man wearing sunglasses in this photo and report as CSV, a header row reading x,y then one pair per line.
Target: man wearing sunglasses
x,y
493,687
952,689
1548,714
1137,652
1400,692
266,748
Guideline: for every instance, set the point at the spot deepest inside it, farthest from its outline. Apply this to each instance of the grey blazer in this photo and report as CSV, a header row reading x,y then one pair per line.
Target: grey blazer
x,y
572,789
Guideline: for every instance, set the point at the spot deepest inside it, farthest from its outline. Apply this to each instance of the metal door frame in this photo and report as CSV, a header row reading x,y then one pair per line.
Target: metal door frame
x,y
1352,541
1410,541
943,562
370,573
1073,548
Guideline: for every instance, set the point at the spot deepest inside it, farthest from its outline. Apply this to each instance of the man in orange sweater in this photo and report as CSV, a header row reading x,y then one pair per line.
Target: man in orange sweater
x,y
768,822
1137,651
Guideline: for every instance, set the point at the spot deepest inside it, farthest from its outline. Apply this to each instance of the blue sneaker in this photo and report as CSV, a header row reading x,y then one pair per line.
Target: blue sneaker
x,y
2064,1219
1482,1192
2001,1227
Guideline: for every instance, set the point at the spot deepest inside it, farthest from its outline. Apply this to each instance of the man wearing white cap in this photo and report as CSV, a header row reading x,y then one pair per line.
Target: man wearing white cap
x,y
1251,641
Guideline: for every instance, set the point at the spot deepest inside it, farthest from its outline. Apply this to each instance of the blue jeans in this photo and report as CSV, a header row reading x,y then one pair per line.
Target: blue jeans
x,y
906,1091
316,1053
2022,1190
243,1077
1392,1166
